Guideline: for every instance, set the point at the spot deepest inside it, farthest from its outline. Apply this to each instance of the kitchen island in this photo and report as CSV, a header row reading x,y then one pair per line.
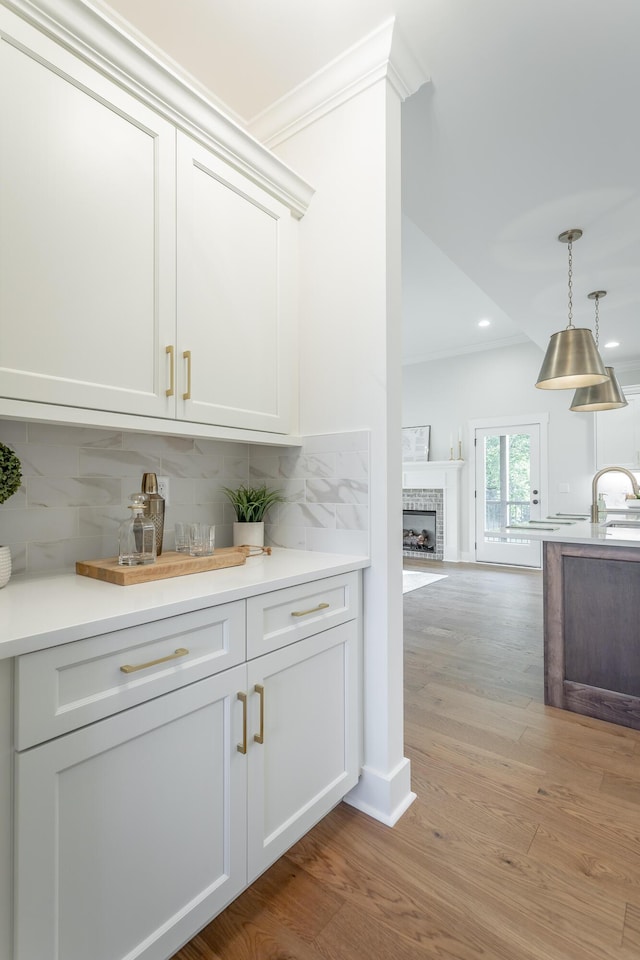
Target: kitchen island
x,y
592,617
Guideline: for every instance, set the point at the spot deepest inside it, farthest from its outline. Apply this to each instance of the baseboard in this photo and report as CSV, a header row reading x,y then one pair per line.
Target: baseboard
x,y
385,797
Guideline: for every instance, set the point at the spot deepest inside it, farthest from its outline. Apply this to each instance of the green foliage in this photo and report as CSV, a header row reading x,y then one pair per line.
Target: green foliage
x,y
10,473
251,503
514,449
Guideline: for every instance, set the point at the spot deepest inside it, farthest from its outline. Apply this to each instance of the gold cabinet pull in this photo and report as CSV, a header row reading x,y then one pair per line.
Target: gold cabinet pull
x,y
172,384
242,747
187,356
259,737
131,668
305,613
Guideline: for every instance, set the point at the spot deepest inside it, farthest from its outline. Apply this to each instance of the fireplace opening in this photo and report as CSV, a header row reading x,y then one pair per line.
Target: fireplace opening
x,y
419,531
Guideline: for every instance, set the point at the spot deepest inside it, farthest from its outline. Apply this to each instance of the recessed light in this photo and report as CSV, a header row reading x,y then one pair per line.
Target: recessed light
x,y
612,343
484,323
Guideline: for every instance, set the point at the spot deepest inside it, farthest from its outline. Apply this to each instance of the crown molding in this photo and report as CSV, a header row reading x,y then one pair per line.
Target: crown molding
x,y
105,45
381,55
465,349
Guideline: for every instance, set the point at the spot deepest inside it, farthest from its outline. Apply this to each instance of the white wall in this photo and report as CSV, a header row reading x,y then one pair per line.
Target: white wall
x,y
499,383
350,378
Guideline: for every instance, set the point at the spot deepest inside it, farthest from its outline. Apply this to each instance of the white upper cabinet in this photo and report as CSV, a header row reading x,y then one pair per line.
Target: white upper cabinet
x,y
235,310
87,233
147,243
618,433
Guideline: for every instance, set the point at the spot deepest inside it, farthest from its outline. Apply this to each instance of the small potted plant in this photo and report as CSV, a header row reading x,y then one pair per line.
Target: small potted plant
x,y
250,505
10,480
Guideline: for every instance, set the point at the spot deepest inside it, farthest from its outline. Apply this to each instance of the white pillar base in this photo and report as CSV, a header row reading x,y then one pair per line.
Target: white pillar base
x,y
385,797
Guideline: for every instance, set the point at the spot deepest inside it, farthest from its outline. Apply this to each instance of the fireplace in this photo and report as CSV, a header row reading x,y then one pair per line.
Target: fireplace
x,y
435,485
423,524
418,531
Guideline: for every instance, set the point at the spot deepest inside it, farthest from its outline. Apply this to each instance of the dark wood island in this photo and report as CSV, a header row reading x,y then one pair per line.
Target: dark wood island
x,y
592,630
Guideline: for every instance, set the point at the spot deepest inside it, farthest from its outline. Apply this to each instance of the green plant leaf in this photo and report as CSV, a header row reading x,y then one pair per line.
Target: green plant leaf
x,y
10,472
251,503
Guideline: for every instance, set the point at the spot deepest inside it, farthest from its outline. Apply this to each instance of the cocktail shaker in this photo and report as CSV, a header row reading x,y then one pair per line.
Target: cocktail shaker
x,y
154,508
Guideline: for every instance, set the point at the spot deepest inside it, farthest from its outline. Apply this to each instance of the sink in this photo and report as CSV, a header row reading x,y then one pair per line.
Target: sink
x,y
622,529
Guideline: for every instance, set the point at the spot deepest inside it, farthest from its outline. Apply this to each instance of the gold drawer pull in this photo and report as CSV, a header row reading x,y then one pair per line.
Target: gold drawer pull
x,y
259,737
242,747
171,390
305,613
129,668
187,356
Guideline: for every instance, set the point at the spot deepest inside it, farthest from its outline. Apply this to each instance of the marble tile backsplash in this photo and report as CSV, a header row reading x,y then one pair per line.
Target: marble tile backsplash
x,y
326,484
77,481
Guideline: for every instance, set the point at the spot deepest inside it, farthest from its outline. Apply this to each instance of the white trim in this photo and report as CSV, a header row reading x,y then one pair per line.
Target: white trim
x,y
382,54
542,421
104,44
445,475
383,796
106,419
465,349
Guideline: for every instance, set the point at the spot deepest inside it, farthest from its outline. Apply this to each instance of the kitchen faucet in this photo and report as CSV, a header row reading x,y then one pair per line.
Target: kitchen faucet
x,y
594,487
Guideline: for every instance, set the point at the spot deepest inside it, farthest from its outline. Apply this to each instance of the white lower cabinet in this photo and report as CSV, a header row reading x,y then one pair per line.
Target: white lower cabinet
x,y
133,832
308,760
130,833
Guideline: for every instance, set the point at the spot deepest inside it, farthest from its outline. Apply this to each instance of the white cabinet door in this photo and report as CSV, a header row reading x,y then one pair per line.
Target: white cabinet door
x,y
618,434
234,296
131,832
87,233
308,760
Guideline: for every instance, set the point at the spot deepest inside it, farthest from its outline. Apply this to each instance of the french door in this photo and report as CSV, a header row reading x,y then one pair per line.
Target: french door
x,y
508,493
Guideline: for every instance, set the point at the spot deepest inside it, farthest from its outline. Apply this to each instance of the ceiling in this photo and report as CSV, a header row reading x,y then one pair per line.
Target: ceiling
x,y
528,127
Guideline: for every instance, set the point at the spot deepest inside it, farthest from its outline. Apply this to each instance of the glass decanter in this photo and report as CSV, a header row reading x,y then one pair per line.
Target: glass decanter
x,y
137,535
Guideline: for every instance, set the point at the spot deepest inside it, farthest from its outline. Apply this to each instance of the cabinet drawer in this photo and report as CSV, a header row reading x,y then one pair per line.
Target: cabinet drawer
x,y
284,616
62,688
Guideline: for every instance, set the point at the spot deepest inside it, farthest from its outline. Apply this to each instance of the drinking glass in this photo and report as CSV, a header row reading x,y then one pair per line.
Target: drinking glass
x,y
182,537
202,539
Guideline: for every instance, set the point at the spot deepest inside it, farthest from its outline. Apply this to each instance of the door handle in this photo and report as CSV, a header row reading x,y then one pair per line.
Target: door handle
x,y
187,356
171,388
242,747
259,737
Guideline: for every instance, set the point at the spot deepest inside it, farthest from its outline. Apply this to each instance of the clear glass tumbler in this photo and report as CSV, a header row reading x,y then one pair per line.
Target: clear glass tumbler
x,y
182,537
202,539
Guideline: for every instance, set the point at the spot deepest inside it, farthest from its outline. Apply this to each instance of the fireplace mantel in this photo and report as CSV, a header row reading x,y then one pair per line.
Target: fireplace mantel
x,y
436,474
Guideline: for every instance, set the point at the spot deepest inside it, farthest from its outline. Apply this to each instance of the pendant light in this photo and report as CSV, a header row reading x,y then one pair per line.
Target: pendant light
x,y
572,358
604,396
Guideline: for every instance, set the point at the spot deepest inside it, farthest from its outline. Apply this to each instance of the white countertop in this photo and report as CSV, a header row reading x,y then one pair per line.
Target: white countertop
x,y
580,532
38,612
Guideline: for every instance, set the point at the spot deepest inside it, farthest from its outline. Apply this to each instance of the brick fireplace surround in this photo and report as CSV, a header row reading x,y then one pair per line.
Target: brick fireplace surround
x,y
427,499
436,485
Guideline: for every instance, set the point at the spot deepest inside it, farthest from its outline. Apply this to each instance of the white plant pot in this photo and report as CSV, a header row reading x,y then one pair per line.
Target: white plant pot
x,y
248,534
5,566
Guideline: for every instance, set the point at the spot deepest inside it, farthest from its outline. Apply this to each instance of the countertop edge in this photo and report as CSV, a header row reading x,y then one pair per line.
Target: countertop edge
x,y
581,532
80,607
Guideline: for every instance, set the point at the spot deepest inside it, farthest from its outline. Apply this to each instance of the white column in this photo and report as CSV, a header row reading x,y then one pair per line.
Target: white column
x,y
350,374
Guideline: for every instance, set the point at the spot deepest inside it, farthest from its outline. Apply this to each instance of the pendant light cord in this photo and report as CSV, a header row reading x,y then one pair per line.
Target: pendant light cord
x,y
570,325
597,299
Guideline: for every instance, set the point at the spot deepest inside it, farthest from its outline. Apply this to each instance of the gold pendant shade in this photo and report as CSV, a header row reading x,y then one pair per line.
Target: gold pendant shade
x,y
572,360
604,396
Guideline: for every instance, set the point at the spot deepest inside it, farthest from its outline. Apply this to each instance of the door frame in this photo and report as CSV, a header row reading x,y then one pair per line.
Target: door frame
x,y
489,423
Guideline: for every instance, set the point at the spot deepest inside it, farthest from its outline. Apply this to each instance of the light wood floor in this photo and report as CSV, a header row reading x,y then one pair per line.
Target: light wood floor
x,y
524,842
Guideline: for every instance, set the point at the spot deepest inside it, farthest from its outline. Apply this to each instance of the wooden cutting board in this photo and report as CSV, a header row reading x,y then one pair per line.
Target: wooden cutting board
x,y
168,564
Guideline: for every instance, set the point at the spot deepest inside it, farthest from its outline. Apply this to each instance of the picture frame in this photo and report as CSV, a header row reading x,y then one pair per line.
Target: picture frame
x,y
415,443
